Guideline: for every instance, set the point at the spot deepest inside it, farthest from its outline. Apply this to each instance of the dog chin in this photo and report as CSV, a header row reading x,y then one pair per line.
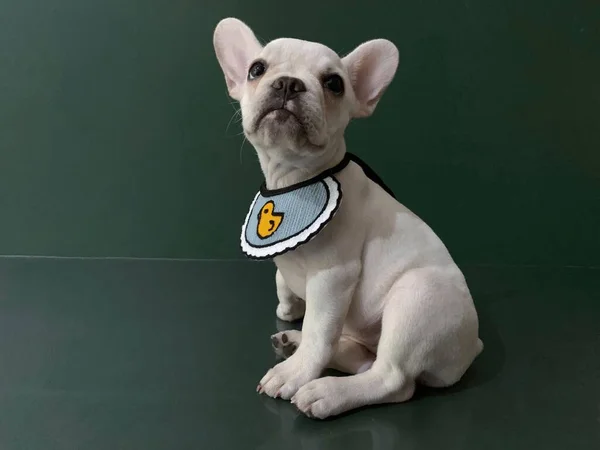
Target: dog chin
x,y
280,118
281,127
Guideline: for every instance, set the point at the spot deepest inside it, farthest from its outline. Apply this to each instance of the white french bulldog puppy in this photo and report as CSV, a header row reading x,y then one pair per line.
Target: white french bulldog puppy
x,y
381,297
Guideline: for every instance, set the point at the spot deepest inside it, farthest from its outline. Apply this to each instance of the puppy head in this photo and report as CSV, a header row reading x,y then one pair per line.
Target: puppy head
x,y
298,96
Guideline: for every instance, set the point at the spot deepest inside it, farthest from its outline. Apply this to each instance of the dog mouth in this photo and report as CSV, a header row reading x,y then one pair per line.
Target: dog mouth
x,y
280,115
284,119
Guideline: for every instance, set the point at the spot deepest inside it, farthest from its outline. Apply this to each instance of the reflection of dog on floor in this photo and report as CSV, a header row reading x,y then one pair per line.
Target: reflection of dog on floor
x,y
382,433
382,298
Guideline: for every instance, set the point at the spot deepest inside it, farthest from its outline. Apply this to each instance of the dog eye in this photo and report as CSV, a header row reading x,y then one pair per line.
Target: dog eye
x,y
334,83
256,70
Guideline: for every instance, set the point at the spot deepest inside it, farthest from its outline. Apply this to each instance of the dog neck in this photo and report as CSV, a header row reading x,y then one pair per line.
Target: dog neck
x,y
282,168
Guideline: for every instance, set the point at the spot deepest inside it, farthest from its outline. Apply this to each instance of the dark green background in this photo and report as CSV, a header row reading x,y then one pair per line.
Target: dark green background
x,y
114,139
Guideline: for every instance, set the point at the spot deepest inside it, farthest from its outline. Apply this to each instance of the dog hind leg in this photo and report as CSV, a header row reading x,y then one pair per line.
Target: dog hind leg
x,y
350,357
290,307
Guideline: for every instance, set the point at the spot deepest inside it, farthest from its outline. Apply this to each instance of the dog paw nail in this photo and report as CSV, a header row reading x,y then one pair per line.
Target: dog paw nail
x,y
284,338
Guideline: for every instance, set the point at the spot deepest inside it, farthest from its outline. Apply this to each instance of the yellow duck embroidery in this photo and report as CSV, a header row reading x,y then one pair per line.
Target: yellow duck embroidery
x,y
268,220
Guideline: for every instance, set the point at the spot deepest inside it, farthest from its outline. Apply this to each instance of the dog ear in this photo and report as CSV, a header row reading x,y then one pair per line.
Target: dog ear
x,y
236,47
371,67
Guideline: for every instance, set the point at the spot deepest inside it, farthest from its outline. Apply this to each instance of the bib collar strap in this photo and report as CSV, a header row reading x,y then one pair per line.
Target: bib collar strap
x,y
335,169
370,173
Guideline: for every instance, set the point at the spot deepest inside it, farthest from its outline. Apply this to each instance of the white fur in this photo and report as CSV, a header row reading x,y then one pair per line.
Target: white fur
x,y
381,296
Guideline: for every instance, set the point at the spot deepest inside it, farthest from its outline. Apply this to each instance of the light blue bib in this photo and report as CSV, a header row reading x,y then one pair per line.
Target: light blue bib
x,y
282,220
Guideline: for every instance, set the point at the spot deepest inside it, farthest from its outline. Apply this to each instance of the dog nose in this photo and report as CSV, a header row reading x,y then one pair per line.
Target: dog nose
x,y
288,87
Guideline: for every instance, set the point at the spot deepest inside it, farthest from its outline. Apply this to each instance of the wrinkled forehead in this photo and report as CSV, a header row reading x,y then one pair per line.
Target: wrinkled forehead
x,y
288,54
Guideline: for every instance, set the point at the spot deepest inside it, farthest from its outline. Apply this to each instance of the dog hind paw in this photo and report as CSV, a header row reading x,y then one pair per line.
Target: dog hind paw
x,y
286,343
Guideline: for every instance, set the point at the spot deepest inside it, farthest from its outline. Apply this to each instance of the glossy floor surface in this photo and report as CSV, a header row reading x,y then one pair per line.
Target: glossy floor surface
x,y
107,354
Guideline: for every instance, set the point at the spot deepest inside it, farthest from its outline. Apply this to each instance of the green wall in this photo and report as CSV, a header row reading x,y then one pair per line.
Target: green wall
x,y
114,113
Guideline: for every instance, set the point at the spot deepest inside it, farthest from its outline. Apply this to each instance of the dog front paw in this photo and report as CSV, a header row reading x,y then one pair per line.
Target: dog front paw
x,y
286,378
320,398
